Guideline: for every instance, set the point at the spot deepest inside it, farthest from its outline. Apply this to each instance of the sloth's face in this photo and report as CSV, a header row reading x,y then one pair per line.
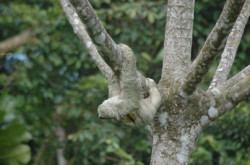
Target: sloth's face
x,y
109,109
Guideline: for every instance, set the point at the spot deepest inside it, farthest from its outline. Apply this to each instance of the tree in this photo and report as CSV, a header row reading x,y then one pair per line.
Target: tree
x,y
184,110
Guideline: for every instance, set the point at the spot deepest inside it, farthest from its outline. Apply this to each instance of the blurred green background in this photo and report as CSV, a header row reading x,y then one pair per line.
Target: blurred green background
x,y
52,83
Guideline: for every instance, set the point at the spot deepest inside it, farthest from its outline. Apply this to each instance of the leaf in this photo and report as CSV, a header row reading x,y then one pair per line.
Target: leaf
x,y
15,156
133,13
146,56
12,135
151,18
2,114
55,59
159,57
8,102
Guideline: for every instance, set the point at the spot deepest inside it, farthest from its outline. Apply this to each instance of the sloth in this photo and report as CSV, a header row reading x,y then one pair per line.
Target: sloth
x,y
126,102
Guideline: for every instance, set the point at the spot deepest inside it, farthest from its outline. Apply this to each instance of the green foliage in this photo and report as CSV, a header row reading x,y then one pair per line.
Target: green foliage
x,y
104,144
56,71
17,155
13,134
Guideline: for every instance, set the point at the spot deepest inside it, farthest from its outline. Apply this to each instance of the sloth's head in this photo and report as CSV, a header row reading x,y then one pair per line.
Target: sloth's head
x,y
109,108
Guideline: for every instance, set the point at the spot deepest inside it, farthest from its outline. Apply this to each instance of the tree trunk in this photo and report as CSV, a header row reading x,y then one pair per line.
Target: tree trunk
x,y
60,133
169,150
177,125
172,145
180,120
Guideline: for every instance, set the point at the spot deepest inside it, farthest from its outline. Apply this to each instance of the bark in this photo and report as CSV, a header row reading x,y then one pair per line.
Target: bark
x,y
81,32
228,55
235,94
212,47
107,47
178,123
60,133
232,81
106,60
60,151
184,110
13,43
178,38
233,91
172,151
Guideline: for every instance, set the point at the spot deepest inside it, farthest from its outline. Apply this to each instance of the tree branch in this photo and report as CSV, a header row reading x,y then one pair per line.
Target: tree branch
x,y
213,45
231,47
232,81
232,92
178,37
60,133
81,32
239,91
104,43
14,42
233,95
108,49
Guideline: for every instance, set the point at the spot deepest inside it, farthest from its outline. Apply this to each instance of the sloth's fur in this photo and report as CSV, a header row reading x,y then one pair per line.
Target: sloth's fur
x,y
126,97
